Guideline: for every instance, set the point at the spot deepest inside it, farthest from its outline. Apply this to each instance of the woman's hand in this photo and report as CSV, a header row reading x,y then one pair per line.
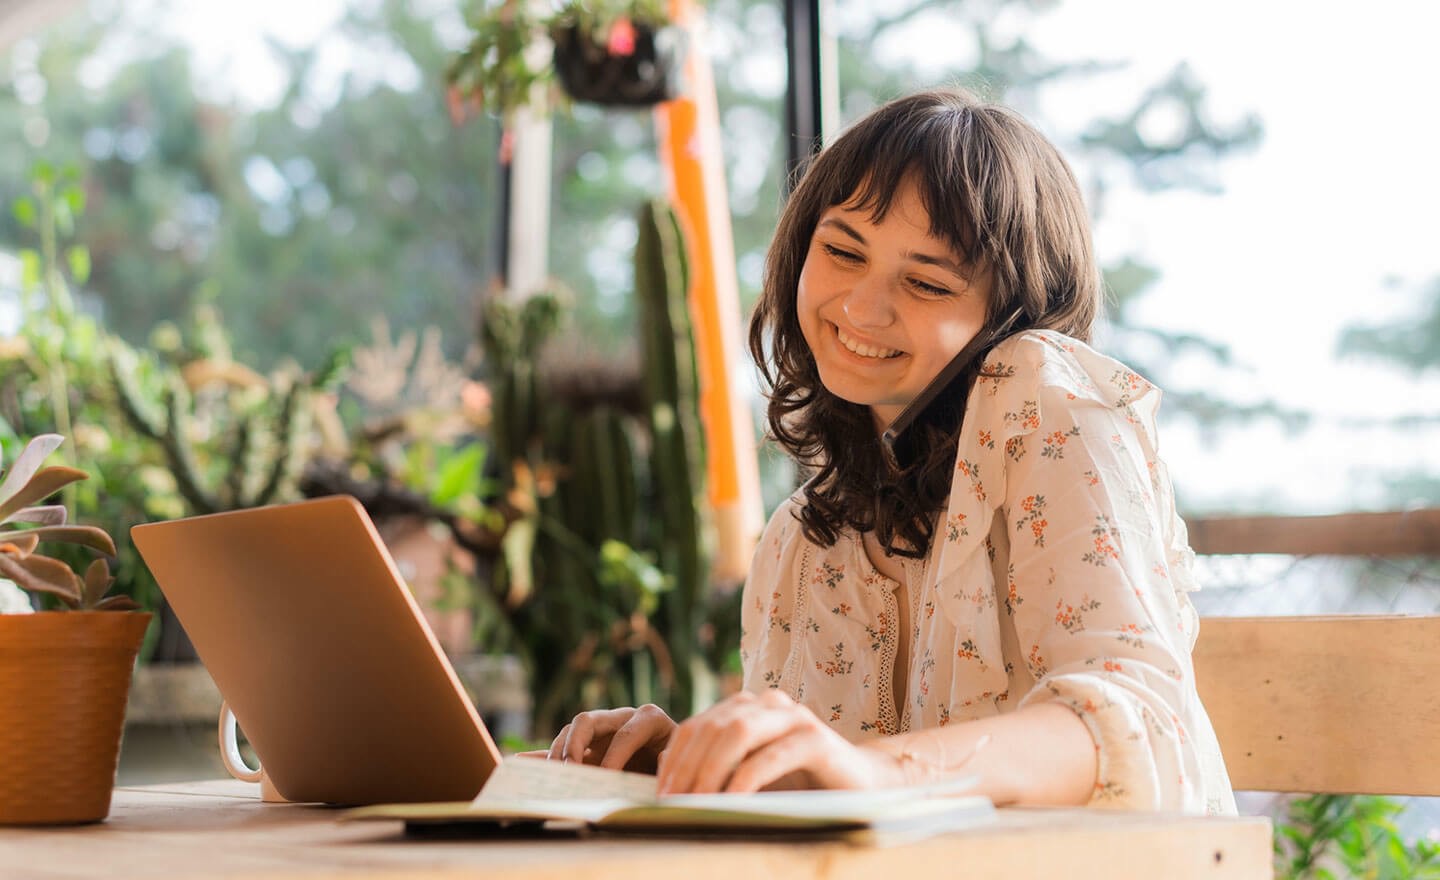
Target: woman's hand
x,y
749,742
622,739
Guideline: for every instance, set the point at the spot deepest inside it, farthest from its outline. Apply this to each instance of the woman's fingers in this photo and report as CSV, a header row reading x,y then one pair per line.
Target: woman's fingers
x,y
706,750
588,734
557,746
648,728
801,749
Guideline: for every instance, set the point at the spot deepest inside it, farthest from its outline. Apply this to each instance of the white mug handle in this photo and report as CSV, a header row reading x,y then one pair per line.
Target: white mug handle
x,y
230,748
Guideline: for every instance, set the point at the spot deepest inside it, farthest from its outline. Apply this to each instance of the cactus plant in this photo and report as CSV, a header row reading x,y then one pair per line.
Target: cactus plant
x,y
252,471
605,573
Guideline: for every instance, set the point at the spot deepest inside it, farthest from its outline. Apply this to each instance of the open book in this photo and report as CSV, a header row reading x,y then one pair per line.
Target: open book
x,y
531,790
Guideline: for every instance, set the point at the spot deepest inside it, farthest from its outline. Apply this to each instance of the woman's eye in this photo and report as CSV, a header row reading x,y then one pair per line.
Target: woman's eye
x,y
840,253
931,289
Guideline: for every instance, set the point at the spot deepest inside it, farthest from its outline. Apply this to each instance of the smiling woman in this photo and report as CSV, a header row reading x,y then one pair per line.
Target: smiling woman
x,y
881,318
1026,503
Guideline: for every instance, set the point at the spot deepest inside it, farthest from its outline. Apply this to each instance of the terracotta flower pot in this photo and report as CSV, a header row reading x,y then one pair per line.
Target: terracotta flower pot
x,y
64,680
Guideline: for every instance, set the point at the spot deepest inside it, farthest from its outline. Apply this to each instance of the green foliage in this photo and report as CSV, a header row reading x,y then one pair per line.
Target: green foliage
x,y
53,375
231,438
604,573
1328,836
297,221
499,68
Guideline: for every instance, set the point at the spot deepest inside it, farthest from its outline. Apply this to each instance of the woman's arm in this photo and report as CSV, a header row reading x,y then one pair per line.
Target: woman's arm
x,y
1039,755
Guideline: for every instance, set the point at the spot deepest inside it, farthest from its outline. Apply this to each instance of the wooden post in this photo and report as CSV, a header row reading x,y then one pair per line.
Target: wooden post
x,y
689,143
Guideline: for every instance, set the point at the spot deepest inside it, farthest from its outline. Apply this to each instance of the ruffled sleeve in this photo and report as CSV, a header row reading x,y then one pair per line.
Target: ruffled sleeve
x,y
1060,443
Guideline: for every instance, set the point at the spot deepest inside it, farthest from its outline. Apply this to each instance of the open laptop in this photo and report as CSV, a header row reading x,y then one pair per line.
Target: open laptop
x,y
302,620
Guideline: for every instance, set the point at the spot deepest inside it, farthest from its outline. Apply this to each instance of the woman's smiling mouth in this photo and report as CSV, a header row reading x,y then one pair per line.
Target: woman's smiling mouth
x,y
864,350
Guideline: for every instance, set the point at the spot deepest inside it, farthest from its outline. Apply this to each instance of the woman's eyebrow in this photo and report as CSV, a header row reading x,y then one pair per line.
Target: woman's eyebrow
x,y
844,227
945,263
949,265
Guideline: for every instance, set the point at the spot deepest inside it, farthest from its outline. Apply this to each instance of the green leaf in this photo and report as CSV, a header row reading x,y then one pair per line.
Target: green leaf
x,y
78,256
42,172
64,220
75,198
24,210
29,269
459,475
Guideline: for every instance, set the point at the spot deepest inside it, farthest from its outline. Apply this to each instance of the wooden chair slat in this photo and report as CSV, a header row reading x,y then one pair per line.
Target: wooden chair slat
x,y
1397,533
1343,704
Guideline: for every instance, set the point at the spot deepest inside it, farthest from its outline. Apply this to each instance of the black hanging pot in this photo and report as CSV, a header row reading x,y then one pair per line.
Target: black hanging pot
x,y
646,76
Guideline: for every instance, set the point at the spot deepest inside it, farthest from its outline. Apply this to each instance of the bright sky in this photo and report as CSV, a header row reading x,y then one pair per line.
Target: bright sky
x,y
1331,221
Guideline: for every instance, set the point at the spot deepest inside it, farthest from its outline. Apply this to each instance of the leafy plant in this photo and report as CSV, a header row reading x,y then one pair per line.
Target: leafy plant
x,y
1325,836
24,485
55,376
509,62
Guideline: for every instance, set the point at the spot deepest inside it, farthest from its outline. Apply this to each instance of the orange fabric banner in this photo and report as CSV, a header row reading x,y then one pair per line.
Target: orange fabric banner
x,y
690,150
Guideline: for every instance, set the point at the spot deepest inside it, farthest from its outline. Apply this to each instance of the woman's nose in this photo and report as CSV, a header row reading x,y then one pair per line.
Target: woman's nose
x,y
867,304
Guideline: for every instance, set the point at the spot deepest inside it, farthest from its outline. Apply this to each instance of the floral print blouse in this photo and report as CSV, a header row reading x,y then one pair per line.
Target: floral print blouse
x,y
1060,573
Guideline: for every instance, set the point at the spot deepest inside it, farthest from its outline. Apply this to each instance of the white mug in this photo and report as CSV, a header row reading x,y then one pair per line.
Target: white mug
x,y
235,763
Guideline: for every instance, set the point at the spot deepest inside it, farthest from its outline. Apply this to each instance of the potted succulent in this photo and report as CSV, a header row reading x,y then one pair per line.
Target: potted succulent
x,y
64,674
611,52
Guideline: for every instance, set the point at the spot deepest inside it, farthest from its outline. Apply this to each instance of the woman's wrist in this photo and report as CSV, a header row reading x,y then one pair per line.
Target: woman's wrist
x,y
925,757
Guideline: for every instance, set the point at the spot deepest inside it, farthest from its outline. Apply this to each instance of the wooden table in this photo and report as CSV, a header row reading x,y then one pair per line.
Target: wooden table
x,y
221,829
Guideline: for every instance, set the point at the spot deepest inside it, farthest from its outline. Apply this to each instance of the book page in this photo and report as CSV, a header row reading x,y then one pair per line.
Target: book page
x,y
538,779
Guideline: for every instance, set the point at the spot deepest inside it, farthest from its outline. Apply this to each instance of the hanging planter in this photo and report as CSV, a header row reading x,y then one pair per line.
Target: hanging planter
x,y
636,66
616,53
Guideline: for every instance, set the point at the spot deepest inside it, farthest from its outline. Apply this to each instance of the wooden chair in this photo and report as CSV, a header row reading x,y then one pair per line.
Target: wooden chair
x,y
1343,704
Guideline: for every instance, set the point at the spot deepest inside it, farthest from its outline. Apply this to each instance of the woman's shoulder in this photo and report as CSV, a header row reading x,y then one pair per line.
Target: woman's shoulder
x,y
784,522
1029,363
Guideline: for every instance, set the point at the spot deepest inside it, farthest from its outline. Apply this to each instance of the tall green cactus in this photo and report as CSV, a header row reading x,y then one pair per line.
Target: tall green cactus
x,y
606,571
676,459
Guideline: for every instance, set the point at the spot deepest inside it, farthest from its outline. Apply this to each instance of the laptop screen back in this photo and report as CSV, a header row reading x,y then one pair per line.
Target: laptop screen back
x,y
309,632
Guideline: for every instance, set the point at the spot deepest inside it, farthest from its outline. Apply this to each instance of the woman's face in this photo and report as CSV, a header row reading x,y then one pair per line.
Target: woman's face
x,y
885,306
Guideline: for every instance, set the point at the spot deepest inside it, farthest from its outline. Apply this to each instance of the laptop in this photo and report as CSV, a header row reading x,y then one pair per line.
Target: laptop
x,y
314,640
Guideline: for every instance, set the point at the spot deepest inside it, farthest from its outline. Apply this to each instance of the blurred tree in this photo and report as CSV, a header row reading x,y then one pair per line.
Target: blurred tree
x,y
300,221
1412,343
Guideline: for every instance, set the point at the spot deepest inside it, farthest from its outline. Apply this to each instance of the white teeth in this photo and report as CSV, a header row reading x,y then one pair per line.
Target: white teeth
x,y
868,351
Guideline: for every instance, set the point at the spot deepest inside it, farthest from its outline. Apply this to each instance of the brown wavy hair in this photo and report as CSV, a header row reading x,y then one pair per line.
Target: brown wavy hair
x,y
1002,196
